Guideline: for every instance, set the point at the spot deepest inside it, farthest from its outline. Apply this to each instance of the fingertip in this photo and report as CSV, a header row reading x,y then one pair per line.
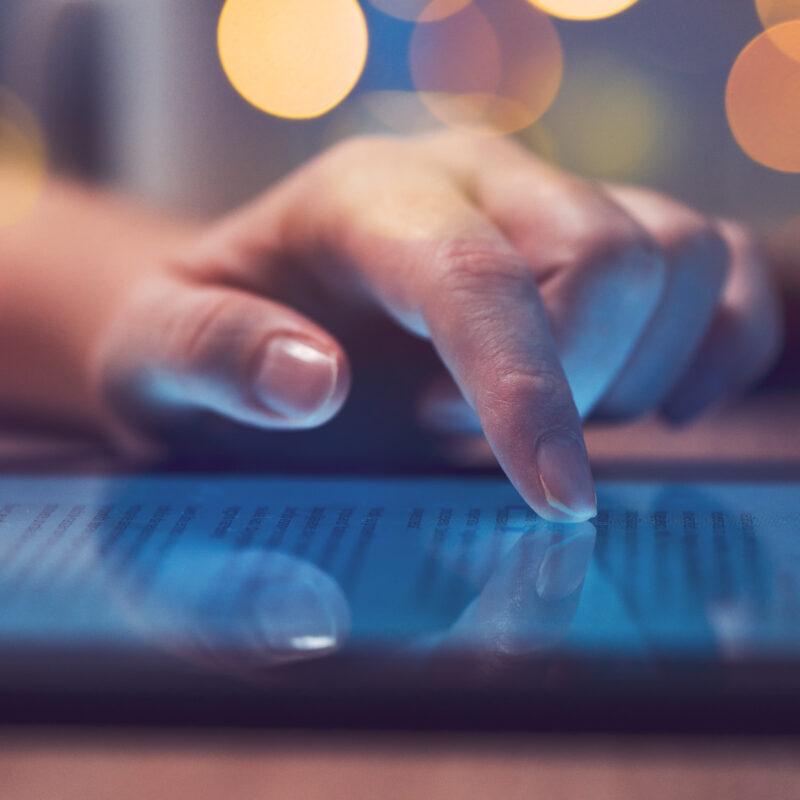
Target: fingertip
x,y
553,512
566,478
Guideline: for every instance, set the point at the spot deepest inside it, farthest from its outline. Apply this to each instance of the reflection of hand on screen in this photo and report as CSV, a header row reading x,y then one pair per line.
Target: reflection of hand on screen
x,y
526,605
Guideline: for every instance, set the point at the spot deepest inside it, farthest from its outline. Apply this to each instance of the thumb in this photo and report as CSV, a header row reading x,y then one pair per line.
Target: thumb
x,y
178,347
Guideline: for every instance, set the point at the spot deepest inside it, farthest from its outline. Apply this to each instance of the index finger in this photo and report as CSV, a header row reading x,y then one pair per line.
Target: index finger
x,y
443,270
486,319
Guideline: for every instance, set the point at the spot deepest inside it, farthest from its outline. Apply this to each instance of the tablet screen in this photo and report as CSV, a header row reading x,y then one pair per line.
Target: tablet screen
x,y
264,570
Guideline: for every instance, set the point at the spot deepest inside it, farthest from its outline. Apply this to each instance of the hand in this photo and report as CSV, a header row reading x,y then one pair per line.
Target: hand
x,y
716,330
545,297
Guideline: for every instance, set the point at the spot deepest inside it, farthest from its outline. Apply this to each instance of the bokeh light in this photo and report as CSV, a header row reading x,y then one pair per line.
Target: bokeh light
x,y
23,159
583,9
493,68
763,98
614,122
774,12
399,111
296,59
420,10
379,113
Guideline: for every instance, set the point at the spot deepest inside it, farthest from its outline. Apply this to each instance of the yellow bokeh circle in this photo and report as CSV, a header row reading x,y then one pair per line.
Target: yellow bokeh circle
x,y
763,98
612,121
23,159
293,58
583,9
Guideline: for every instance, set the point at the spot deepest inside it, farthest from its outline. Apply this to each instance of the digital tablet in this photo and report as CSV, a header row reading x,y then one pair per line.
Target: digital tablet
x,y
424,602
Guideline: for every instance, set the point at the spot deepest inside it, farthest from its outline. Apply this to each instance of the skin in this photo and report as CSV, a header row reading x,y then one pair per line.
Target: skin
x,y
546,298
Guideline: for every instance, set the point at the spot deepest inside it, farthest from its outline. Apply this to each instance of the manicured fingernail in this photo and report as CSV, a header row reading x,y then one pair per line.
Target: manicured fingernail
x,y
295,621
564,565
296,379
566,477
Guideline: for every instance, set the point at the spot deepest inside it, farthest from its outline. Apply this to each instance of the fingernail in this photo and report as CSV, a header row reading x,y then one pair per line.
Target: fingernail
x,y
295,621
566,477
564,565
296,379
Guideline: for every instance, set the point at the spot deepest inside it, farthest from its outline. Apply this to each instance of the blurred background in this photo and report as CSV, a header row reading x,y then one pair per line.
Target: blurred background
x,y
172,101
181,103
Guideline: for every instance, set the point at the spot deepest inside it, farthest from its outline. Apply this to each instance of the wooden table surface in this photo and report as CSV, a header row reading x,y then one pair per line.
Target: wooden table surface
x,y
760,436
66,766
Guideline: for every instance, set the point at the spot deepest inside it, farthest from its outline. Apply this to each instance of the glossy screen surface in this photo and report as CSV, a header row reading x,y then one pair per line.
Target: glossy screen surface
x,y
262,569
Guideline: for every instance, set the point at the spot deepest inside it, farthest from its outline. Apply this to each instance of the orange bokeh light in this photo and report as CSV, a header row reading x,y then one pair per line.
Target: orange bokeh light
x,y
763,98
23,159
493,68
774,12
294,59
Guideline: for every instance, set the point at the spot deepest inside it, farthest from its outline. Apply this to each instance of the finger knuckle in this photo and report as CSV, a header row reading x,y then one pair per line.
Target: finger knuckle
x,y
539,391
202,327
468,266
